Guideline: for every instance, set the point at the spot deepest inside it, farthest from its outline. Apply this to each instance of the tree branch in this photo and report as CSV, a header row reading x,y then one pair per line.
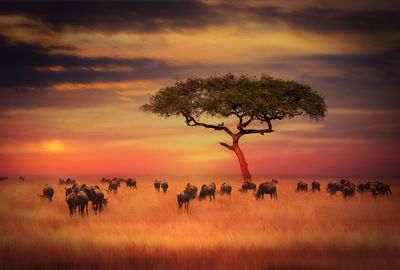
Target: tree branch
x,y
226,145
190,121
252,131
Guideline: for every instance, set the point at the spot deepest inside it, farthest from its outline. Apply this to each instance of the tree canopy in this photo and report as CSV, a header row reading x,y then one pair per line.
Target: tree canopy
x,y
249,98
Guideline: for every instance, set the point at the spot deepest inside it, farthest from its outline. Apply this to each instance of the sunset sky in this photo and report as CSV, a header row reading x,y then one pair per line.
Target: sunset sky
x,y
73,76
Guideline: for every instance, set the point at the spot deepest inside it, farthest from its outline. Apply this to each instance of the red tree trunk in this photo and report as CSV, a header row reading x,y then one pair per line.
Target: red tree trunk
x,y
242,161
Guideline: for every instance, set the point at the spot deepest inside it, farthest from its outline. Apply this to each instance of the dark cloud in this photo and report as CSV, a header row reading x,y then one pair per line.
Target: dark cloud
x,y
155,16
20,67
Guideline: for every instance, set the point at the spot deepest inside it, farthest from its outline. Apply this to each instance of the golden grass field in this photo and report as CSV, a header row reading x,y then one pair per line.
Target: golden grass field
x,y
142,229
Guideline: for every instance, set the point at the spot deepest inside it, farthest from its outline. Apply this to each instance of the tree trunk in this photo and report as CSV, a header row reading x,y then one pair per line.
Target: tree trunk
x,y
242,161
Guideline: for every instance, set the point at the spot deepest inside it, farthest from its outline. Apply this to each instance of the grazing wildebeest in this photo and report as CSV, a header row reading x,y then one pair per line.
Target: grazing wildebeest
x,y
118,180
332,188
71,200
315,186
61,181
113,186
185,196
274,181
266,188
48,192
70,181
97,198
105,180
225,189
207,190
157,185
301,186
247,186
348,190
361,187
82,202
164,186
380,189
131,183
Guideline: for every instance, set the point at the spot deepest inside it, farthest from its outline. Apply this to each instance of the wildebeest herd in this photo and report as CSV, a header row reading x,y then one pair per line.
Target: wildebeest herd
x,y
78,196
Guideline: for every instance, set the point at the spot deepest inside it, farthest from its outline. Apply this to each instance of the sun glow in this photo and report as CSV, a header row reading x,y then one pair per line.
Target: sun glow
x,y
53,146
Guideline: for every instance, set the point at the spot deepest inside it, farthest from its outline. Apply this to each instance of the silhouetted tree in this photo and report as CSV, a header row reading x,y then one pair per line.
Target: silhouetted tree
x,y
249,99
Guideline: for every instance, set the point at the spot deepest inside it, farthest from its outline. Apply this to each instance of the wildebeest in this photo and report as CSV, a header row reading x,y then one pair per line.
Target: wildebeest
x,y
131,183
348,190
248,186
105,180
21,178
380,189
185,196
332,188
225,189
61,181
164,186
97,198
113,186
70,181
315,186
118,180
207,190
157,185
82,202
361,187
266,188
274,181
301,186
72,203
48,192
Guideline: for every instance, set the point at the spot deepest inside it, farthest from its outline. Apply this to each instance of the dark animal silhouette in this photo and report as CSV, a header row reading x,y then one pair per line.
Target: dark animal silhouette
x,y
131,183
207,190
225,189
48,192
348,190
157,185
361,187
380,189
105,180
113,186
97,199
266,188
315,186
21,178
70,181
72,202
274,181
82,202
332,188
185,196
301,186
61,181
248,186
164,186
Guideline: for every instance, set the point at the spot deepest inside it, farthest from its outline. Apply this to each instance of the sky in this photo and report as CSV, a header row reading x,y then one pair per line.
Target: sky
x,y
74,74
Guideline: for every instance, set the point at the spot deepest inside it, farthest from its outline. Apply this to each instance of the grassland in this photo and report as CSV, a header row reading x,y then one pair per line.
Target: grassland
x,y
143,229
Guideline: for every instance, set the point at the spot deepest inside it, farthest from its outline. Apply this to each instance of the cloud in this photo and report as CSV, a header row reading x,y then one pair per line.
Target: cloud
x,y
159,16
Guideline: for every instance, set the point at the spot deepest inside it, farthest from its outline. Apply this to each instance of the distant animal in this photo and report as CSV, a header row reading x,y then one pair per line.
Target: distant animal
x,y
301,186
61,181
164,186
185,196
361,187
380,189
105,180
48,192
315,186
225,189
348,191
70,181
21,178
131,183
157,185
207,190
266,188
274,181
248,186
82,202
72,202
113,186
332,188
191,190
97,199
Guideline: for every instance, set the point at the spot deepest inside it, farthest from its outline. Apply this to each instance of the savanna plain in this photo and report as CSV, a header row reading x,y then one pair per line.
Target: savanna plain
x,y
143,229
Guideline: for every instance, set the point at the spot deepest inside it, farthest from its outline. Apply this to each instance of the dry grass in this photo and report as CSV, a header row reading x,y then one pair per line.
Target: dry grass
x,y
142,229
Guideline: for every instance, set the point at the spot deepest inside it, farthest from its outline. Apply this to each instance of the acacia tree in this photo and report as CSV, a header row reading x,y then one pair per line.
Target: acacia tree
x,y
248,99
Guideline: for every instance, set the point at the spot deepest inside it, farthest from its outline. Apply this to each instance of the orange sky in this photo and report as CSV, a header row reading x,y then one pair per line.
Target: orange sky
x,y
75,76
